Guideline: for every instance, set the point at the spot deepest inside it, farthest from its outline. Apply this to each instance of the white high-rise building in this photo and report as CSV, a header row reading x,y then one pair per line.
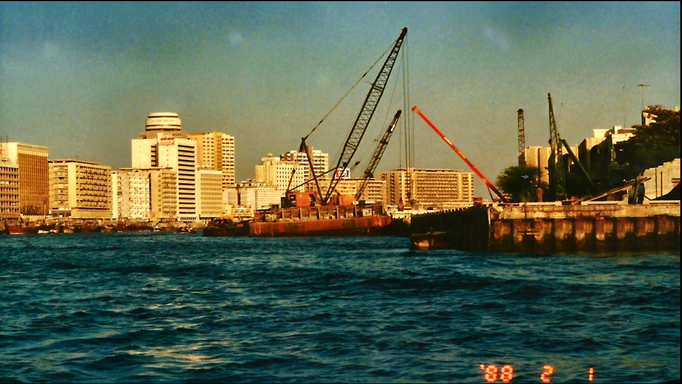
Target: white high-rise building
x,y
319,159
255,195
165,145
538,157
215,150
278,173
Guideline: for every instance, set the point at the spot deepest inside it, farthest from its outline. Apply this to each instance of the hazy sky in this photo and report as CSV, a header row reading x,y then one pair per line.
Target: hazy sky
x,y
81,78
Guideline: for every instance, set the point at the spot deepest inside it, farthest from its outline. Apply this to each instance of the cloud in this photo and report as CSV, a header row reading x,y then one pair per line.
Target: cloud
x,y
496,37
51,50
235,38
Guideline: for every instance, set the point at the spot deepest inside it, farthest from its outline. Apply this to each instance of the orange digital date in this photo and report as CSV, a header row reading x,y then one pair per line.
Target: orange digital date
x,y
506,373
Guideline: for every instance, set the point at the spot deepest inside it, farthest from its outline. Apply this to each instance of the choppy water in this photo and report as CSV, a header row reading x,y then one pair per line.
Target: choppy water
x,y
171,307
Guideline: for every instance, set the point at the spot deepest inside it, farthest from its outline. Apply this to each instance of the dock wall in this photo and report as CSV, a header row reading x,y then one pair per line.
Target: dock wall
x,y
546,228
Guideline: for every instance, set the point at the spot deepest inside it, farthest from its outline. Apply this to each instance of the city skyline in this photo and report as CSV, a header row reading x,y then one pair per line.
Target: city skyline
x,y
80,78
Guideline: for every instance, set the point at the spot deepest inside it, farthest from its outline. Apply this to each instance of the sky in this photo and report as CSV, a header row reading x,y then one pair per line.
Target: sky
x,y
81,77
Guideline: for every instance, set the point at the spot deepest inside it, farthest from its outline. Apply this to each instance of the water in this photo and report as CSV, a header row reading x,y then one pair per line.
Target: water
x,y
173,307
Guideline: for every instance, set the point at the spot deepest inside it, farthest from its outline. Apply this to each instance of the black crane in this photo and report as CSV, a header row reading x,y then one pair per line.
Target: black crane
x,y
376,157
557,180
361,122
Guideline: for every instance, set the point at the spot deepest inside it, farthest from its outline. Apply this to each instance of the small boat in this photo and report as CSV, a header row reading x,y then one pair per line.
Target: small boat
x,y
186,229
226,228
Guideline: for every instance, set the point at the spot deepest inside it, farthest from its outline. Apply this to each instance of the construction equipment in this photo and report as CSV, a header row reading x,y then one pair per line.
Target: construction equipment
x,y
557,180
291,178
376,157
452,146
583,172
521,132
557,176
362,121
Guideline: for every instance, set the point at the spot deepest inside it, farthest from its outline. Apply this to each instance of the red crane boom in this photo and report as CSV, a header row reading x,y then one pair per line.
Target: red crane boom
x,y
473,167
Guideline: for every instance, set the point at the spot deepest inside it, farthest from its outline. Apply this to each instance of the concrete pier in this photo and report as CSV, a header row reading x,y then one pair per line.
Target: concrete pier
x,y
545,228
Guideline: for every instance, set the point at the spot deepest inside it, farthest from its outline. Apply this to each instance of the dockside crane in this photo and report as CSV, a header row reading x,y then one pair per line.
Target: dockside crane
x,y
376,156
361,122
521,133
557,177
557,180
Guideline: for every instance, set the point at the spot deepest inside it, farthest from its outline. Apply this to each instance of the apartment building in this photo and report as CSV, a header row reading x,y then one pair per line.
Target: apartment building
x,y
278,173
215,150
145,194
430,188
9,190
32,162
209,190
320,161
79,189
254,195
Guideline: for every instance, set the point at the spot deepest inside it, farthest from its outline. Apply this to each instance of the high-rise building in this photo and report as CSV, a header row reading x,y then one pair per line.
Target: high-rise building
x,y
538,157
9,190
33,175
373,192
319,159
135,185
209,189
215,150
145,194
79,189
430,188
278,173
165,145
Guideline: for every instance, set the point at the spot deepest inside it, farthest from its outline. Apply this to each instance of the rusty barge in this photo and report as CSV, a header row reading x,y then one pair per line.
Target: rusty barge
x,y
548,228
335,220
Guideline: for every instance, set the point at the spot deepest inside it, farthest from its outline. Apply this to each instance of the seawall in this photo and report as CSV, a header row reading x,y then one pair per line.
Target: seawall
x,y
545,228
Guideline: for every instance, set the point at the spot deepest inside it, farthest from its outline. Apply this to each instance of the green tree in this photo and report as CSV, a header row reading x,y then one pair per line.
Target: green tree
x,y
651,145
520,182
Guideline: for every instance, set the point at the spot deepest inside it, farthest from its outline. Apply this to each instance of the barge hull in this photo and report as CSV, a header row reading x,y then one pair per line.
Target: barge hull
x,y
371,225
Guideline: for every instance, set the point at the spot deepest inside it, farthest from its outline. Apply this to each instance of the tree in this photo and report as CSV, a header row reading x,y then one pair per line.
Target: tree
x,y
651,145
520,182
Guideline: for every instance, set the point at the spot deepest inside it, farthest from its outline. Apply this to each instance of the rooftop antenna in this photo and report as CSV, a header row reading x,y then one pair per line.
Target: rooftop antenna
x,y
624,126
641,90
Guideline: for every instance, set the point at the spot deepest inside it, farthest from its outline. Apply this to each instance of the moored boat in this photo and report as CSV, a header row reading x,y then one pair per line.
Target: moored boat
x,y
226,228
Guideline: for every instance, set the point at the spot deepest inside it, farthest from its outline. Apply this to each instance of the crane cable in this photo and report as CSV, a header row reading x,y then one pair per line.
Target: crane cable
x,y
349,91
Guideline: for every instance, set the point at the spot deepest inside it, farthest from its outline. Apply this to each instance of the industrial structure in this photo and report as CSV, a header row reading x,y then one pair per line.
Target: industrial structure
x,y
521,134
361,122
557,179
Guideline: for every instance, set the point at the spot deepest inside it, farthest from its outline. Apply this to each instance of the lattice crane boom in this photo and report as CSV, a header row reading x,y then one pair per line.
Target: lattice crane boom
x,y
557,180
376,157
521,132
363,119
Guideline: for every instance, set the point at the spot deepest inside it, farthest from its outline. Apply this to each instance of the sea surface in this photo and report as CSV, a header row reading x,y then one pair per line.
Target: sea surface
x,y
180,307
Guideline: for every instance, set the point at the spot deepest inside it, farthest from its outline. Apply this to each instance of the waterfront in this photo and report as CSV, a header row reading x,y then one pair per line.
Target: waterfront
x,y
177,307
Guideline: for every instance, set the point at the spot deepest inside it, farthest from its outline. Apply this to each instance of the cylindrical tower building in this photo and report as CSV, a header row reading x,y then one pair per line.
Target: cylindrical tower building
x,y
163,121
